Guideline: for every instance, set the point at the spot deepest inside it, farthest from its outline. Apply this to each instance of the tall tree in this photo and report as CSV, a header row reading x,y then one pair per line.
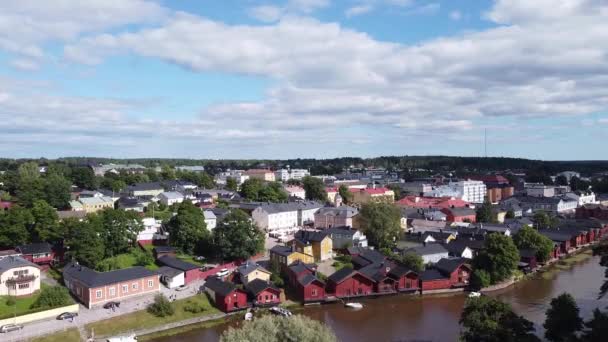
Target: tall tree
x,y
187,229
236,237
84,177
277,329
314,188
231,184
381,223
563,321
542,220
57,190
485,214
529,238
84,242
14,227
250,189
46,223
596,329
499,257
561,180
486,319
30,185
347,196
412,261
120,229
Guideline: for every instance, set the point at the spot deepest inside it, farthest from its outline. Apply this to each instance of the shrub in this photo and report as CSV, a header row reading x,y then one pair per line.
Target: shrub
x,y
52,297
194,307
142,258
11,301
480,279
161,307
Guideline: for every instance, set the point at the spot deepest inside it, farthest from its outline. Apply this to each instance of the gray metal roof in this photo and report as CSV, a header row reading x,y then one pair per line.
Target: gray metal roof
x,y
92,278
11,262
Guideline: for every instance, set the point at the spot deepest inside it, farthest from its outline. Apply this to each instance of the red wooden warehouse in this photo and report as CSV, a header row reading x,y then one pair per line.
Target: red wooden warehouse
x,y
348,283
226,296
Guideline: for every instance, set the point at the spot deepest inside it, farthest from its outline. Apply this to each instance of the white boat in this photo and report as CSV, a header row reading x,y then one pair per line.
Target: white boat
x,y
353,305
248,316
280,311
474,295
126,338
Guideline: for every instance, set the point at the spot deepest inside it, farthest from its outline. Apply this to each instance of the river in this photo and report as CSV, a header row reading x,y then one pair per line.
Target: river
x,y
415,318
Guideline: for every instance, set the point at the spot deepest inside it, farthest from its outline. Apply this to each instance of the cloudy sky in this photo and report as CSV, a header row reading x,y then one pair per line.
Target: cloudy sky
x,y
304,78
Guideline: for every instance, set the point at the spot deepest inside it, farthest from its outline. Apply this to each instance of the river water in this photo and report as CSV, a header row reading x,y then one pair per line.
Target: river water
x,y
415,318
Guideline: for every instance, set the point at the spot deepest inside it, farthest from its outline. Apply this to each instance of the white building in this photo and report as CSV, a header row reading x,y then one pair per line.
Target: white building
x,y
569,175
583,197
210,219
295,191
237,175
275,216
284,175
18,277
190,168
469,190
151,227
170,197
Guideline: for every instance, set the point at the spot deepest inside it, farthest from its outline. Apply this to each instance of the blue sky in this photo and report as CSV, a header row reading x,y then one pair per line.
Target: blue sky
x,y
303,78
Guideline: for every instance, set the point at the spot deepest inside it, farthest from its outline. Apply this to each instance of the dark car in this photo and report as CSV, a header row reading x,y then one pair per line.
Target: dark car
x,y
67,315
110,305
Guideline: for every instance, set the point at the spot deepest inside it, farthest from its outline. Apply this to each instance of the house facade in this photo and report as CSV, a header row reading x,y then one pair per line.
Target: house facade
x,y
171,197
328,217
94,288
225,295
191,272
39,253
363,196
263,293
93,204
349,283
317,244
18,277
263,174
251,271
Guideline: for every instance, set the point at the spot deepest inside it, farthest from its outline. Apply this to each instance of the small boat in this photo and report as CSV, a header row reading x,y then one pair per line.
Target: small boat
x,y
248,316
474,295
353,305
280,311
126,338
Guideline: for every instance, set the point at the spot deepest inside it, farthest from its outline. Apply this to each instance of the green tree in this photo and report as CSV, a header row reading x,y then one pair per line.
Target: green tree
x,y
250,189
510,214
542,220
412,261
236,237
278,329
314,188
57,190
561,180
530,238
188,230
596,329
14,227
30,185
167,172
499,257
485,213
161,307
52,297
347,196
84,242
84,178
273,192
275,277
577,184
120,229
381,222
231,184
486,319
46,223
563,321
480,279
397,190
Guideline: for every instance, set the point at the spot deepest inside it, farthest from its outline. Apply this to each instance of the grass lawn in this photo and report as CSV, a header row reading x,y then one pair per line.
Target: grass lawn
x,y
70,335
55,274
23,304
190,259
186,328
143,319
127,260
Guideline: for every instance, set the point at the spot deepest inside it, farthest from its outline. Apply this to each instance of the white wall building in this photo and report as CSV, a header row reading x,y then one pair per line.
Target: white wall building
x,y
210,219
582,197
170,197
151,227
275,216
237,175
295,191
284,175
469,190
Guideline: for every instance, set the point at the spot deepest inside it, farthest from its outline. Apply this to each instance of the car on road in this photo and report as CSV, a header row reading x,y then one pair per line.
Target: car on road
x,y
181,288
10,327
223,272
67,315
110,305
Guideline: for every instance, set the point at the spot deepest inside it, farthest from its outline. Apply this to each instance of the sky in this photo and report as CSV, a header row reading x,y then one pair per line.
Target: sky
x,y
304,78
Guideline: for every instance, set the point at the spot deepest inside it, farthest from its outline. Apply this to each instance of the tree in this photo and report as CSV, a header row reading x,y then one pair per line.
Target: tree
x,y
381,223
510,214
250,189
486,319
577,184
485,213
596,329
397,190
314,188
29,184
530,238
231,184
561,180
167,172
57,190
275,277
120,229
161,307
84,178
14,227
347,196
52,297
236,237
187,229
499,257
84,242
278,329
412,261
480,279
46,223
563,321
255,189
542,220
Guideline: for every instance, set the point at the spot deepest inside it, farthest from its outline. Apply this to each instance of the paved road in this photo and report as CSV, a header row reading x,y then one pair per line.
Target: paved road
x,y
86,316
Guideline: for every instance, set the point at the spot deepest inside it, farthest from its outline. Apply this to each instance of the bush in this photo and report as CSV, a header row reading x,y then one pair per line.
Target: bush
x,y
142,258
11,301
161,306
480,279
273,328
52,297
194,307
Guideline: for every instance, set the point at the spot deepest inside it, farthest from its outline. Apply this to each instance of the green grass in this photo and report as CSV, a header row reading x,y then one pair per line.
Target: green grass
x,y
22,304
55,274
127,260
186,328
70,335
190,259
143,319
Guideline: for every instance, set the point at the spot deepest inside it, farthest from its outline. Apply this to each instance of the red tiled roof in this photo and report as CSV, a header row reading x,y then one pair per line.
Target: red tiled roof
x,y
370,191
432,202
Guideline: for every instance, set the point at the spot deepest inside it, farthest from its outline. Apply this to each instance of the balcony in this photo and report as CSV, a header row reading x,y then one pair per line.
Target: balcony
x,y
21,279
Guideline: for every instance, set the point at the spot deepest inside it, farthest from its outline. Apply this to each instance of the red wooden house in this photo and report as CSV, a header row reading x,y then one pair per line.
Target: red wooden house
x,y
383,283
263,293
446,274
226,296
527,259
561,238
432,279
302,279
405,279
460,214
192,272
348,283
39,253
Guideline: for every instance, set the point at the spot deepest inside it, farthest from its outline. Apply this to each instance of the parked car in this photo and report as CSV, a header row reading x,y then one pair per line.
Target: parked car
x,y
67,315
223,272
10,327
181,288
110,305
199,258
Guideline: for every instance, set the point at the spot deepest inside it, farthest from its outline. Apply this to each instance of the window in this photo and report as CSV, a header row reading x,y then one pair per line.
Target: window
x,y
112,291
150,283
98,294
24,286
134,286
314,292
125,288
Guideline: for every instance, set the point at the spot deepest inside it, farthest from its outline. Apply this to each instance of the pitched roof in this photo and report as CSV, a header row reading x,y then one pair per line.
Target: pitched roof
x,y
282,250
219,286
35,248
249,267
172,195
341,274
306,237
145,186
299,267
11,262
400,270
308,278
447,266
169,271
431,274
375,271
460,211
431,202
341,231
342,211
258,285
428,249
177,263
92,278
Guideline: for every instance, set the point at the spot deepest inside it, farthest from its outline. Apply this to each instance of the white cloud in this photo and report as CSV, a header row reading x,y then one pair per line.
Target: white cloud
x,y
358,10
455,15
307,6
526,11
25,64
427,9
266,13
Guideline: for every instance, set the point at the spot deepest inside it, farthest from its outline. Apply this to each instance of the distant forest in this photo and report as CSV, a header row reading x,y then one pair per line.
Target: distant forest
x,y
456,165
